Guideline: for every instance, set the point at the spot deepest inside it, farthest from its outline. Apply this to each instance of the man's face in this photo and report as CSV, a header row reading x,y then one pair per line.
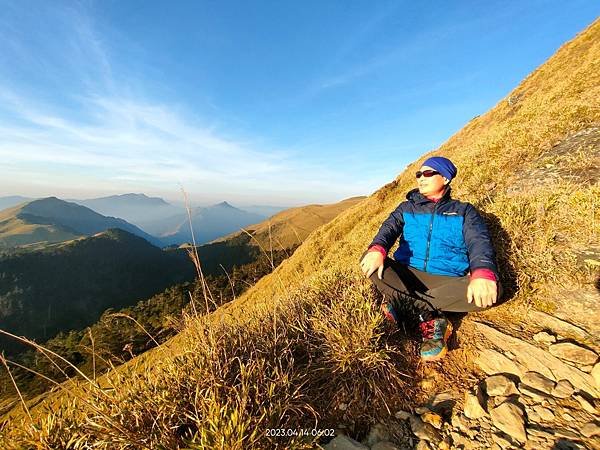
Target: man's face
x,y
431,185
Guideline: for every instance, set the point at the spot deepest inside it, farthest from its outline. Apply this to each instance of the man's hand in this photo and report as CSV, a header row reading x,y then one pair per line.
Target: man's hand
x,y
483,291
373,261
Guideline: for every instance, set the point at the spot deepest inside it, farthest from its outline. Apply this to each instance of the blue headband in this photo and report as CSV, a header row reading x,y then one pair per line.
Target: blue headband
x,y
443,165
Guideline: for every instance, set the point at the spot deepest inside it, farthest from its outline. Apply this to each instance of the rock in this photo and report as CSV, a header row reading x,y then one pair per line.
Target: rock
x,y
502,443
458,422
563,389
574,353
533,416
422,445
402,415
544,413
567,417
586,369
558,326
343,442
585,403
378,433
421,410
530,358
499,385
595,373
536,395
433,419
424,431
443,403
385,445
561,432
544,338
540,433
538,381
473,408
590,429
493,362
508,418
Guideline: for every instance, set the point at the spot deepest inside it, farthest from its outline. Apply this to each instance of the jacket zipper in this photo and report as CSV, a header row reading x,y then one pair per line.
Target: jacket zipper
x,y
429,237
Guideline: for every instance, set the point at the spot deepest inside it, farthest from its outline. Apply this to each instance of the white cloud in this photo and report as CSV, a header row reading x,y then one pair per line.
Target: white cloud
x,y
96,134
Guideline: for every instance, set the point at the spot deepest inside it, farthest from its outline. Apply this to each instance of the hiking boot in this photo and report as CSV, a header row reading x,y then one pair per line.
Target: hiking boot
x,y
436,333
390,313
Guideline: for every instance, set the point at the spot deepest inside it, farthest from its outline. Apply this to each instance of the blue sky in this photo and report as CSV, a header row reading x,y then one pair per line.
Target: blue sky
x,y
253,102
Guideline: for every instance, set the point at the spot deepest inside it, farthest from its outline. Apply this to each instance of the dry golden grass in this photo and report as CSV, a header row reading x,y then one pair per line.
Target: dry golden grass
x,y
291,227
306,338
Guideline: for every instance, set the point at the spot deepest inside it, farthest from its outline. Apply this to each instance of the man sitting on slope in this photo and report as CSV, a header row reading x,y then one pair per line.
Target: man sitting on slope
x,y
445,260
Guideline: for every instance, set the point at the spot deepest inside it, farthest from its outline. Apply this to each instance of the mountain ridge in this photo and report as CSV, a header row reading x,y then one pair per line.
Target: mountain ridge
x,y
53,220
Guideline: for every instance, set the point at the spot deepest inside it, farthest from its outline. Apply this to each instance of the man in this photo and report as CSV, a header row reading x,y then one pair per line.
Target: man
x,y
445,260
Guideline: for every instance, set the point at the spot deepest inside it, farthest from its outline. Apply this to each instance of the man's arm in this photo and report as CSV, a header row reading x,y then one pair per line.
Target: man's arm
x,y
479,244
482,260
381,244
389,231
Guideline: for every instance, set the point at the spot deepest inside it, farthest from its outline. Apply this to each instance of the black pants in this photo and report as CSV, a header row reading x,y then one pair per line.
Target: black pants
x,y
426,291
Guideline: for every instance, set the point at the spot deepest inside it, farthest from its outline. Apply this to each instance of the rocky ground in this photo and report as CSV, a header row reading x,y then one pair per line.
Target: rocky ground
x,y
539,389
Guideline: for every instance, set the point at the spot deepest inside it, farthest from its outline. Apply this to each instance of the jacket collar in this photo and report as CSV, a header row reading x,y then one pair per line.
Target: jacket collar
x,y
416,197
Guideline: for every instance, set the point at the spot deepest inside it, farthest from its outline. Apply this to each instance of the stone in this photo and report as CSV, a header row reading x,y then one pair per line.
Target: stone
x,y
502,443
343,442
585,403
473,408
540,433
544,413
422,445
533,416
590,429
385,445
595,373
421,410
508,418
562,432
536,395
529,357
493,362
459,422
574,353
544,337
567,417
424,431
443,403
499,385
538,381
563,389
377,433
402,415
557,325
433,419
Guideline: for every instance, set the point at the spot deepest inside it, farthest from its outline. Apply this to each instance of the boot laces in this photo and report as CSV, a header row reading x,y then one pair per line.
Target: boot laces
x,y
428,329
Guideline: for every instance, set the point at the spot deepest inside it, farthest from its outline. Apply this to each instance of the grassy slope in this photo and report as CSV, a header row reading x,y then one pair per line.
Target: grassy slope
x,y
292,226
312,308
15,231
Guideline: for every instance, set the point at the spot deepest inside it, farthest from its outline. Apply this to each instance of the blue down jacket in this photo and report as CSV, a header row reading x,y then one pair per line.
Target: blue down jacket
x,y
444,238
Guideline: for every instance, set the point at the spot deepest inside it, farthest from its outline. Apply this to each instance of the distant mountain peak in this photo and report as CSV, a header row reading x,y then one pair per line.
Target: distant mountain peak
x,y
225,205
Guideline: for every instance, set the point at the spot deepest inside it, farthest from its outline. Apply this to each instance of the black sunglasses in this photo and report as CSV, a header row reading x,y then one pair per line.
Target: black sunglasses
x,y
427,173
